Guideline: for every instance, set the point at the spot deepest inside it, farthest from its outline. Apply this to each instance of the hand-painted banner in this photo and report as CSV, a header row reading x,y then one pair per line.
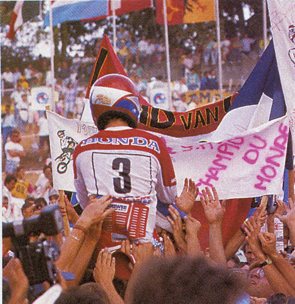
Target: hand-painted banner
x,y
248,165
282,18
252,164
64,135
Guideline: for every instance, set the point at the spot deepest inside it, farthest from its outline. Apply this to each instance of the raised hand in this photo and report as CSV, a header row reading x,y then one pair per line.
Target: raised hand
x,y
104,270
142,252
168,246
95,211
213,208
177,226
187,197
289,217
268,242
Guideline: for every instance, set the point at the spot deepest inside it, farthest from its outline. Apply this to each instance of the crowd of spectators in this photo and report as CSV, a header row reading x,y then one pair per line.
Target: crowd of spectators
x,y
247,269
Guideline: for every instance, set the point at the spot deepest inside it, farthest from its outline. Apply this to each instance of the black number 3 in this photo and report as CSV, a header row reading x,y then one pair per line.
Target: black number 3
x,y
120,187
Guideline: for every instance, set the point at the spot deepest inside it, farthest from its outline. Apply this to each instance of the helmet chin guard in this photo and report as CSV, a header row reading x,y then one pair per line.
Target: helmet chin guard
x,y
114,94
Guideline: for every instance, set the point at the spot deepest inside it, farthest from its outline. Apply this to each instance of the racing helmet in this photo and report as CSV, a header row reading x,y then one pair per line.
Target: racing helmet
x,y
114,94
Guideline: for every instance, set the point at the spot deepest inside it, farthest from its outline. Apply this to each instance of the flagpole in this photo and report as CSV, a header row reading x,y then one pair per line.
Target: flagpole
x,y
219,49
52,59
113,7
167,54
264,24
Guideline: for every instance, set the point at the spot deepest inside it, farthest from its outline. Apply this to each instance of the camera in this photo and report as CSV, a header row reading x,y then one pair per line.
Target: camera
x,y
37,257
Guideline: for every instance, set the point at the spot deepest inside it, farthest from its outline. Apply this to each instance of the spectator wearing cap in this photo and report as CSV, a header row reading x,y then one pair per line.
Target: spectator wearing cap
x,y
53,196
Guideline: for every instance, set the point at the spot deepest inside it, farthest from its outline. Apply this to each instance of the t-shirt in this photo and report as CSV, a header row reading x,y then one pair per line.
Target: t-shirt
x,y
21,189
10,145
132,166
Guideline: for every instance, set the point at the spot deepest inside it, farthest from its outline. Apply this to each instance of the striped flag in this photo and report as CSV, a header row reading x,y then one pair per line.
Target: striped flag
x,y
22,12
73,10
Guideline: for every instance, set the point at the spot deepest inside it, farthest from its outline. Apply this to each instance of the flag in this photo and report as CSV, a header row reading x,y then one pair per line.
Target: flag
x,y
22,12
107,62
259,100
124,6
185,11
200,121
74,10
40,98
282,20
64,135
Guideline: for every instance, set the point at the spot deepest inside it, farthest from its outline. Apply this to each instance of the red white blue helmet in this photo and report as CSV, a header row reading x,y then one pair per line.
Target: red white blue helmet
x,y
114,93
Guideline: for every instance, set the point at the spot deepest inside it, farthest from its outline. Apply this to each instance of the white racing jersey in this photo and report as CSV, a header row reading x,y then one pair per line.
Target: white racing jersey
x,y
135,168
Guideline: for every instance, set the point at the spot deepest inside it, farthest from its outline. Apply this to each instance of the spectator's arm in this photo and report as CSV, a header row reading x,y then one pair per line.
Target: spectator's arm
x,y
274,277
192,228
94,212
19,283
268,243
214,212
104,273
14,153
83,257
141,253
187,197
237,240
289,219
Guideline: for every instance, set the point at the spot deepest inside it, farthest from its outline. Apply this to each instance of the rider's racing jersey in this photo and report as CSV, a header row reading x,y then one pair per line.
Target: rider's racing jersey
x,y
134,167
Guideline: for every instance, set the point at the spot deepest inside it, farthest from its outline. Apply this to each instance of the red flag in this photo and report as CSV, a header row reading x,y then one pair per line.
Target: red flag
x,y
22,12
124,7
106,62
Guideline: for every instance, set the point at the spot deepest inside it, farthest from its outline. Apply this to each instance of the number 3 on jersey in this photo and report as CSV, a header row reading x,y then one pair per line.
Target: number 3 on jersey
x,y
123,173
122,184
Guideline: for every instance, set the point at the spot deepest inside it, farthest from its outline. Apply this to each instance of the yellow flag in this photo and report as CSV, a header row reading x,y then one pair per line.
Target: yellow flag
x,y
199,11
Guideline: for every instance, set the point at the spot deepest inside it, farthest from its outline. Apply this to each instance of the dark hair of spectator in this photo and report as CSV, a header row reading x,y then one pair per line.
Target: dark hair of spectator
x,y
186,280
46,167
89,293
9,178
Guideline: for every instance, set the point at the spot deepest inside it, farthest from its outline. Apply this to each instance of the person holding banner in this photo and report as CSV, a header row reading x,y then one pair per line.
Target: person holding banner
x,y
131,165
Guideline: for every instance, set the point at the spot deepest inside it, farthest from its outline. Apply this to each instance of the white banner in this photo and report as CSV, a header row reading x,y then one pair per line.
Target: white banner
x,y
40,98
249,165
282,18
64,135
